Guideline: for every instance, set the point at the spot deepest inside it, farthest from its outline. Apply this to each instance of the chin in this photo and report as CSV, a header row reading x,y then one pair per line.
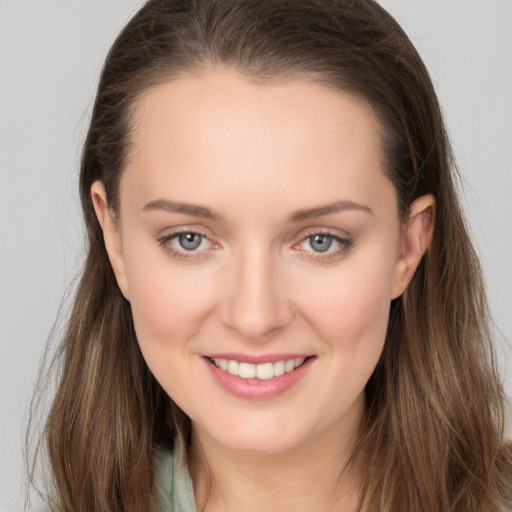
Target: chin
x,y
259,437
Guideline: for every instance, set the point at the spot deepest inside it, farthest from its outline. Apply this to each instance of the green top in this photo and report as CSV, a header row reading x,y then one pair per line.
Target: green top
x,y
174,491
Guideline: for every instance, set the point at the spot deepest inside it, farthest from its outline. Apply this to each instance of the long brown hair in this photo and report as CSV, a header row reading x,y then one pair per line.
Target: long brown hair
x,y
433,434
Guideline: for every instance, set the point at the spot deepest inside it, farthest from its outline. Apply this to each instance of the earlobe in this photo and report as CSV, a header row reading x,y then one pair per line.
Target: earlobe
x,y
416,237
111,234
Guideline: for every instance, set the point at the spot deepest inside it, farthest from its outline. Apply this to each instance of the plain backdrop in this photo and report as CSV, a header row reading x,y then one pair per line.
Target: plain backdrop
x,y
51,52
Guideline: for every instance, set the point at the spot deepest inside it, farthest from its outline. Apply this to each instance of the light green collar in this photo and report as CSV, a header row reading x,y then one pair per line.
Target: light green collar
x,y
173,485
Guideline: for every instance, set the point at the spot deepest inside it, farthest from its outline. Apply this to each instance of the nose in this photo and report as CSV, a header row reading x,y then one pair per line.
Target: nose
x,y
257,306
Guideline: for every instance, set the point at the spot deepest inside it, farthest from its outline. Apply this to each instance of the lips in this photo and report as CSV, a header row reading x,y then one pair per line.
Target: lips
x,y
258,378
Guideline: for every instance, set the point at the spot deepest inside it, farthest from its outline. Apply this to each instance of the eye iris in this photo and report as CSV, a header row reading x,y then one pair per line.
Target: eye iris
x,y
190,241
320,243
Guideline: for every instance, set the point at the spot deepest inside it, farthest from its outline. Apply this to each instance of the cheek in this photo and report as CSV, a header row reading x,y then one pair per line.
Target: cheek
x,y
169,308
167,304
350,308
350,315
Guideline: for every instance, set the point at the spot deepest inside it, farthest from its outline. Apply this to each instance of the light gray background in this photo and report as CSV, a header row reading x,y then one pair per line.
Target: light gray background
x,y
51,52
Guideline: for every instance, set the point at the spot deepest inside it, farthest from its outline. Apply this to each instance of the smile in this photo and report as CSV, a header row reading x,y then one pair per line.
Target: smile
x,y
263,371
258,377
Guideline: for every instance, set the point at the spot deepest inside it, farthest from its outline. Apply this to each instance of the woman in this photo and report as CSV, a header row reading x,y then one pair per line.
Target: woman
x,y
280,307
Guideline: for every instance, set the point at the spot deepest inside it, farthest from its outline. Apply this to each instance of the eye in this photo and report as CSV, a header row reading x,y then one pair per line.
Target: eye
x,y
189,241
324,246
320,243
186,244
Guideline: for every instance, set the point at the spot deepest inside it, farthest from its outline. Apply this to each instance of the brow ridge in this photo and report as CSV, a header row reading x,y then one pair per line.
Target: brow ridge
x,y
297,216
180,207
320,211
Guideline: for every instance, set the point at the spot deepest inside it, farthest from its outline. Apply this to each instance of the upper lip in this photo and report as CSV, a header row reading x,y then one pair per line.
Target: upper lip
x,y
256,359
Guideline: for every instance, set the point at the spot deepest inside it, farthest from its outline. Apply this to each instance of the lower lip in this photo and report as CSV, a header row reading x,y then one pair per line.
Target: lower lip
x,y
258,389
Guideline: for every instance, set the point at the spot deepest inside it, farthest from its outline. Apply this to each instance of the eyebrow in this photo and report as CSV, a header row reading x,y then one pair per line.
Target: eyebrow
x,y
336,207
297,216
184,208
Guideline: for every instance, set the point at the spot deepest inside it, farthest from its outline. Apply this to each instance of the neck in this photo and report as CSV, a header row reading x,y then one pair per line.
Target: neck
x,y
321,475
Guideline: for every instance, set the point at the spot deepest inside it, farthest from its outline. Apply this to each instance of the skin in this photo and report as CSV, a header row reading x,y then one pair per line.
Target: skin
x,y
255,155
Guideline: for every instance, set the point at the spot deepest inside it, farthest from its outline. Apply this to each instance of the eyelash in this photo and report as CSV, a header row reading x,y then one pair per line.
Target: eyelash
x,y
166,243
344,246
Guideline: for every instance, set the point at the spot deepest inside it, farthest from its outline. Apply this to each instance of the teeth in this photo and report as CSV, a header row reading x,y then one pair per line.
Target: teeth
x,y
289,366
279,368
264,371
232,367
246,370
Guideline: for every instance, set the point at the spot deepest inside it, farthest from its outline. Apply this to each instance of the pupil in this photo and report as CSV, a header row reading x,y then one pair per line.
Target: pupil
x,y
321,243
190,241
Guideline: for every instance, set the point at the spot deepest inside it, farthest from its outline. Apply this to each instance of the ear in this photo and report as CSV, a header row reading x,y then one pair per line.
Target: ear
x,y
111,234
416,238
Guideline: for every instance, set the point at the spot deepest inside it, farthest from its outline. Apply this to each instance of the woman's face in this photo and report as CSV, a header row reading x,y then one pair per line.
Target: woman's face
x,y
259,235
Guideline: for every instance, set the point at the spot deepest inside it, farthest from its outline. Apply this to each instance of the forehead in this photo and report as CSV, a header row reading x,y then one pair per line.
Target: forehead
x,y
220,133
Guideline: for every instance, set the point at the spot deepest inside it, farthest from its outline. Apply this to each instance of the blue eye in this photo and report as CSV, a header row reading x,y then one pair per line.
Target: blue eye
x,y
320,243
186,244
189,241
324,246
